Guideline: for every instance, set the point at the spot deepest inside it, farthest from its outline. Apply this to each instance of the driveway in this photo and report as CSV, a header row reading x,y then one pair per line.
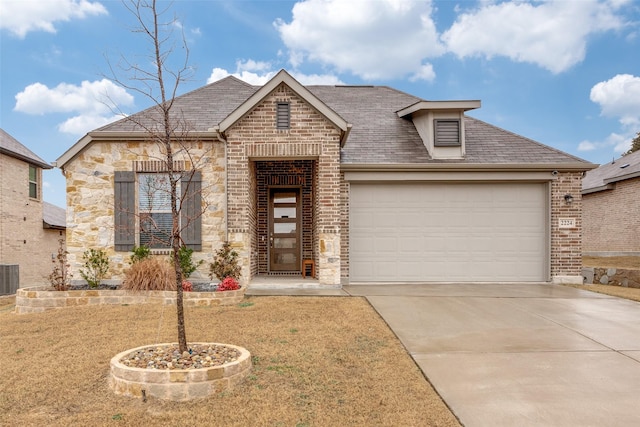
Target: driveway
x,y
520,354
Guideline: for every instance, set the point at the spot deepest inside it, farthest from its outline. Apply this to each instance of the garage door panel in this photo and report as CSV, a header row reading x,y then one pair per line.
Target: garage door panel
x,y
448,232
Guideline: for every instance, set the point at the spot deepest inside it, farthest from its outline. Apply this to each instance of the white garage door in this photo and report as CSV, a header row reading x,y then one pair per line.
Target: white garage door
x,y
465,232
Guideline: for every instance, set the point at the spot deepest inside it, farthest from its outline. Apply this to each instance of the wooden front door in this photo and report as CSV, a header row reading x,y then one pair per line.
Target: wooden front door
x,y
284,229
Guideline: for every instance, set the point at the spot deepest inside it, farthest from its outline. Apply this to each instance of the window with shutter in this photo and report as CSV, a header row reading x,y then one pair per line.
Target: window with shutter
x,y
283,116
447,133
152,209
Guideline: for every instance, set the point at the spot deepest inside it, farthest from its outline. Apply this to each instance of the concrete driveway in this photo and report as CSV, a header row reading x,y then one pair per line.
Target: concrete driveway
x,y
520,354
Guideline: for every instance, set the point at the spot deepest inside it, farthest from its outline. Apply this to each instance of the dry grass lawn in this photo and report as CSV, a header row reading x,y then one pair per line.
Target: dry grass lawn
x,y
616,291
632,262
318,361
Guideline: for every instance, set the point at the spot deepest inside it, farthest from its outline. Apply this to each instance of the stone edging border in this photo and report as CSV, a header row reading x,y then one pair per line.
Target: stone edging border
x,y
41,298
177,384
625,277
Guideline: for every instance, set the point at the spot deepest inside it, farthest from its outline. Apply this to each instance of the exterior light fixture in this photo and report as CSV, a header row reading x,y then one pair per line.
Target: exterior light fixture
x,y
568,198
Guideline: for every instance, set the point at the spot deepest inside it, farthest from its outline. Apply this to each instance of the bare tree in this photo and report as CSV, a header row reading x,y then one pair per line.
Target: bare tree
x,y
155,78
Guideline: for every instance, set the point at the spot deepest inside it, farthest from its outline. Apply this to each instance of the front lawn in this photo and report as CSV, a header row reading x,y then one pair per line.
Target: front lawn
x,y
318,361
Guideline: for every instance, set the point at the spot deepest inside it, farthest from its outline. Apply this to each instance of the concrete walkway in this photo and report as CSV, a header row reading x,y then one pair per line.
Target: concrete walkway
x,y
520,354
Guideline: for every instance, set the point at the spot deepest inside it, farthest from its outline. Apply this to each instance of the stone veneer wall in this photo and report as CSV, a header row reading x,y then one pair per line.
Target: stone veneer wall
x,y
311,136
611,218
566,243
23,239
90,199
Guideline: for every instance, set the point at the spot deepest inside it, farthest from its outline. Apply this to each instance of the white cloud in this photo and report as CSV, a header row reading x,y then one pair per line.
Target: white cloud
x,y
258,73
92,102
424,73
89,97
20,17
246,76
620,143
371,39
79,125
619,97
552,34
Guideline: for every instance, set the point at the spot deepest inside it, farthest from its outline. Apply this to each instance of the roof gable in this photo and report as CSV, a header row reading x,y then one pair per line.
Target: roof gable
x,y
295,86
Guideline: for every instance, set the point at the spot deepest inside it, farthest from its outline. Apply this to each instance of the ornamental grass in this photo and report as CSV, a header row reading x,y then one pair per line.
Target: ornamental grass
x,y
150,274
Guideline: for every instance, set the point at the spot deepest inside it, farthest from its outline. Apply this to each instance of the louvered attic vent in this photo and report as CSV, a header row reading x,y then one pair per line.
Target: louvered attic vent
x,y
283,116
447,133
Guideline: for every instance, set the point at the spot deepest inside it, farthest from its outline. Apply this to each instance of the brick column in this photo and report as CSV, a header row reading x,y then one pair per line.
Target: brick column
x,y
566,229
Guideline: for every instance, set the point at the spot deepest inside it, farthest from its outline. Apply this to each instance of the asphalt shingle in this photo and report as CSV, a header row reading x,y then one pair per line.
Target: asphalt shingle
x,y
378,135
625,167
12,147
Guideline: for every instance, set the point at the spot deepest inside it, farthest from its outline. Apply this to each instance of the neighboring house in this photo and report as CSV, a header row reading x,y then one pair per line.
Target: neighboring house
x,y
30,229
369,183
611,208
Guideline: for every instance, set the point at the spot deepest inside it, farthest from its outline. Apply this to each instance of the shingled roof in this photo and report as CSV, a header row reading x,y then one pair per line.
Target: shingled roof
x,y
12,147
378,135
53,216
603,178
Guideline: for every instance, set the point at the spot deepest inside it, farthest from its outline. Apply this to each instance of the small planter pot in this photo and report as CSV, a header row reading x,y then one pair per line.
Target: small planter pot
x,y
177,384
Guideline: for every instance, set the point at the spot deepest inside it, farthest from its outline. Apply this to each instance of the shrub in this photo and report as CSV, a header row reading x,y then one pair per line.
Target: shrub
x,y
150,274
186,262
60,278
228,284
225,263
96,266
139,253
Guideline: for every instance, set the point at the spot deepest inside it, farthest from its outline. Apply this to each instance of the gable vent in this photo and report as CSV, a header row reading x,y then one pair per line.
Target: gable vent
x,y
447,133
283,115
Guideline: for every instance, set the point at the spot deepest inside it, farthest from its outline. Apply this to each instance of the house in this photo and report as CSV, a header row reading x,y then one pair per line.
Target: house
x,y
366,183
30,228
611,208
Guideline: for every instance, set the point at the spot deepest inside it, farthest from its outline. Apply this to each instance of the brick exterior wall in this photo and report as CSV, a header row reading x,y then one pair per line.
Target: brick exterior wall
x,y
566,243
255,138
611,218
90,199
23,240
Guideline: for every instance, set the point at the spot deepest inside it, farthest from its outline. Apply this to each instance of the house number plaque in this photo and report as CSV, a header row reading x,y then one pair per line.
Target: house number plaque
x,y
567,222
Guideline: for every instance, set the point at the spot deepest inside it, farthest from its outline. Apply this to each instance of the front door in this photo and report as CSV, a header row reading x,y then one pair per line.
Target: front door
x,y
284,229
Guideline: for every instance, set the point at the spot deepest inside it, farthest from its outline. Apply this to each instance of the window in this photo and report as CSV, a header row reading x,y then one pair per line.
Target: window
x,y
283,116
33,182
142,205
154,209
447,133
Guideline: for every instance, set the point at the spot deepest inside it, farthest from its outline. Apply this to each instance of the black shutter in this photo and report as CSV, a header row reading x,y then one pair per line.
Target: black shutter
x,y
447,133
124,210
191,210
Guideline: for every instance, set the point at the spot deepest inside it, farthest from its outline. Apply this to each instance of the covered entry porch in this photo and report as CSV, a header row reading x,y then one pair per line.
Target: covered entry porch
x,y
285,242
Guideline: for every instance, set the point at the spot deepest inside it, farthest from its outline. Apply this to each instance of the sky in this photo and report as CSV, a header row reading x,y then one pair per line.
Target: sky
x,y
565,73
